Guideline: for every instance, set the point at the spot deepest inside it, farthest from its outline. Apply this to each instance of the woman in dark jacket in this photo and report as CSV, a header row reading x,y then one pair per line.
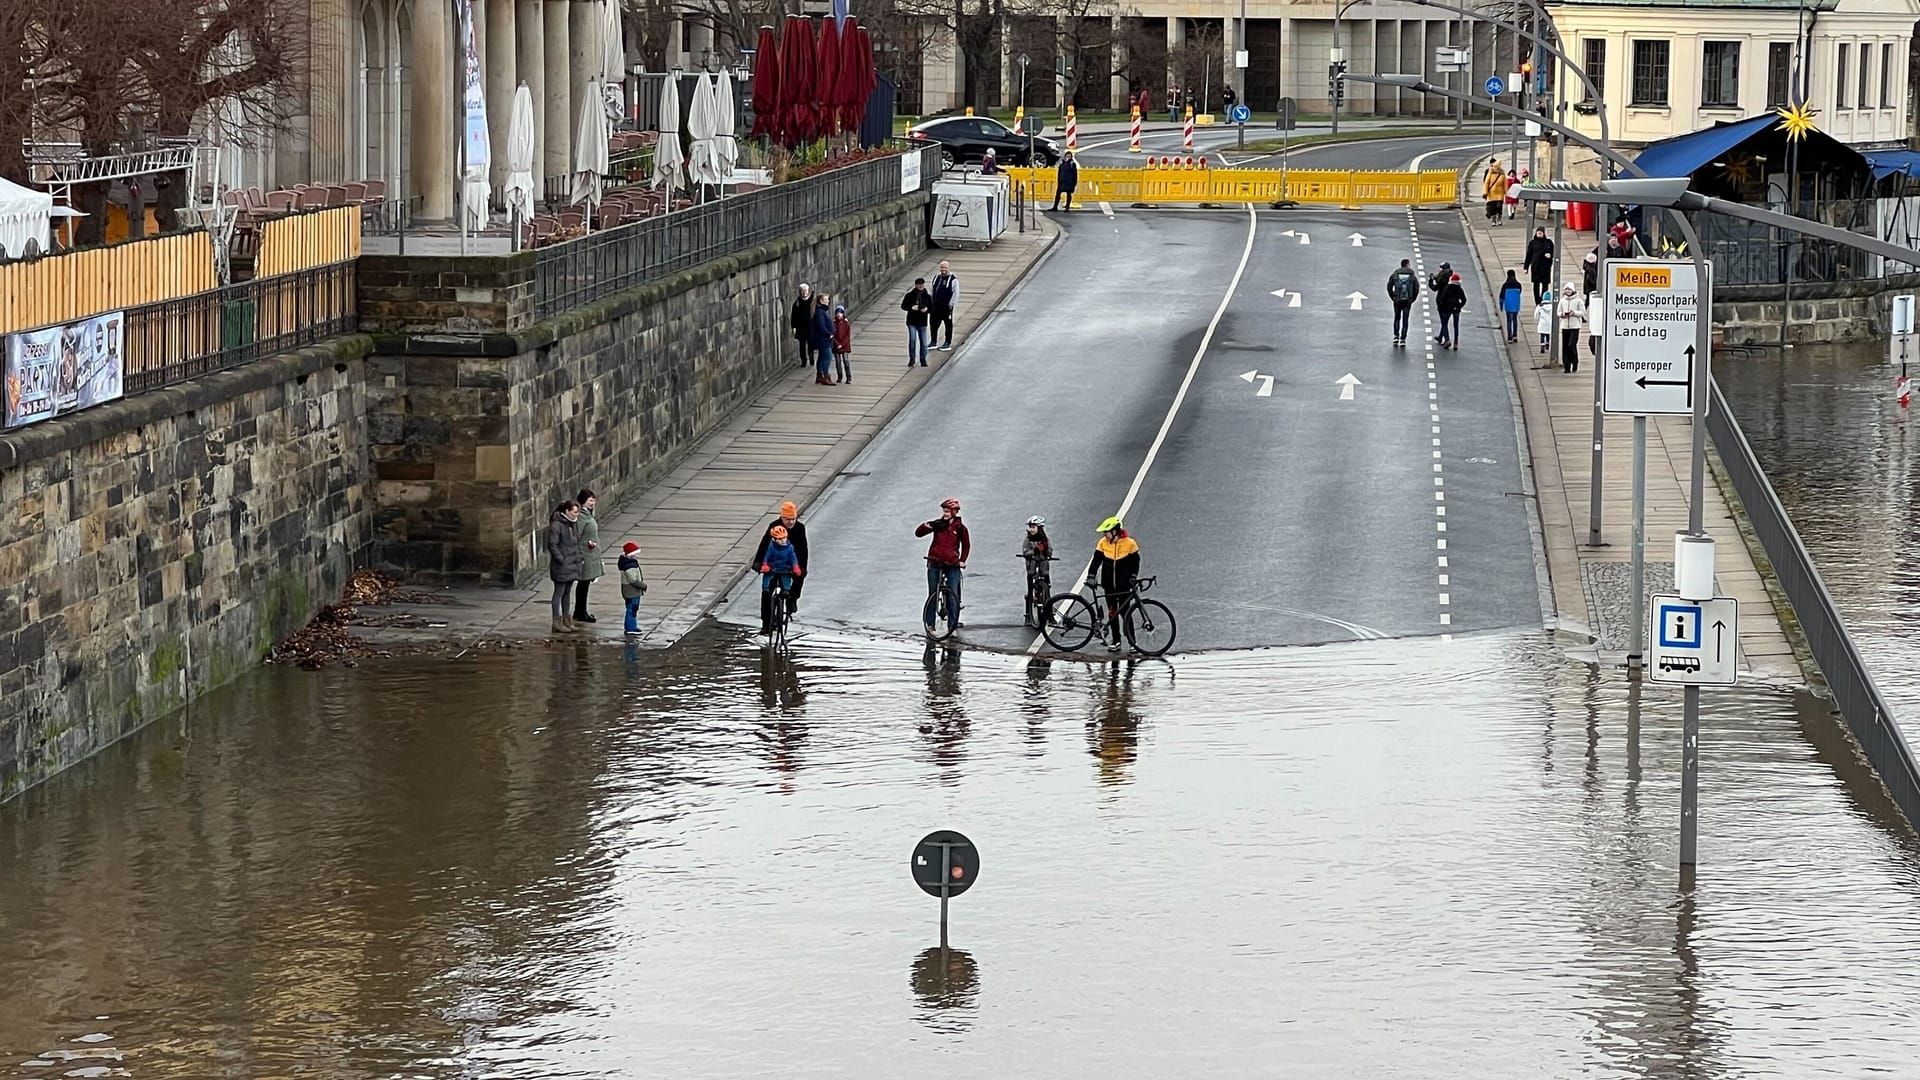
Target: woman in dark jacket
x,y
820,337
801,319
564,564
1451,300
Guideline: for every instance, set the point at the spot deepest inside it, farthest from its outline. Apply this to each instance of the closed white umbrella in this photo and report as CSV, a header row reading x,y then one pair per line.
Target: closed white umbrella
x,y
590,149
613,44
518,192
701,158
725,125
667,160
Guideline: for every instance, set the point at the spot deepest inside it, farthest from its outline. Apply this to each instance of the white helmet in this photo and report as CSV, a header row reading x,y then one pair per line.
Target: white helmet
x,y
1037,520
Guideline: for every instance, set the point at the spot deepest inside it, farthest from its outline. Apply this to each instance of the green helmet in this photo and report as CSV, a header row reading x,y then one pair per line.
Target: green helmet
x,y
1109,525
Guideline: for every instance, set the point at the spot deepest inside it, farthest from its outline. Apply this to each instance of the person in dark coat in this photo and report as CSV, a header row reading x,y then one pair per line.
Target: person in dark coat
x,y
563,561
946,296
801,319
918,303
822,340
1451,300
789,520
1065,178
1539,264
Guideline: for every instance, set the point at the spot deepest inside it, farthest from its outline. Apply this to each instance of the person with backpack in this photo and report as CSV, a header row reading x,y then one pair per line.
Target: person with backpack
x,y
1403,288
1451,300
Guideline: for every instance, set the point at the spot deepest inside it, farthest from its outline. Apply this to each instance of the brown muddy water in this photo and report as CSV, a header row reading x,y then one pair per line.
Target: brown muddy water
x,y
1389,859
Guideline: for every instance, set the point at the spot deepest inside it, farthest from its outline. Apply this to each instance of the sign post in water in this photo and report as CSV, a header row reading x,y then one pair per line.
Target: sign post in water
x,y
944,864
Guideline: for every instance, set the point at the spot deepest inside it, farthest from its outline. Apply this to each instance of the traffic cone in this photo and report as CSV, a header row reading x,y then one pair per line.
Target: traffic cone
x,y
1133,146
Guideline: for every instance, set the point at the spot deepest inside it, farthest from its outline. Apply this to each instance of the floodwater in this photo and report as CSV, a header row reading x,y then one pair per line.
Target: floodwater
x,y
1845,459
1405,859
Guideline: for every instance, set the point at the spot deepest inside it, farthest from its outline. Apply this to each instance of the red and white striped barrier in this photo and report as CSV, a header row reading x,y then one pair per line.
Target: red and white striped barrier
x,y
1073,131
1189,130
1133,146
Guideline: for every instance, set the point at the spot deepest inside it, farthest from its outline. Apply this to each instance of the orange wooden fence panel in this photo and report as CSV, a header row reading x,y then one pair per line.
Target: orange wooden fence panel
x,y
76,285
305,241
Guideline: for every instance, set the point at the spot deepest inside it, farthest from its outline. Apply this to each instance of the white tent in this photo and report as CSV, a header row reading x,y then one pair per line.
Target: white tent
x,y
24,215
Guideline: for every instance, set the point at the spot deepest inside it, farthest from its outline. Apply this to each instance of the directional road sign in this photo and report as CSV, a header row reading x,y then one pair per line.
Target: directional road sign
x,y
1648,309
1241,114
1495,86
1693,642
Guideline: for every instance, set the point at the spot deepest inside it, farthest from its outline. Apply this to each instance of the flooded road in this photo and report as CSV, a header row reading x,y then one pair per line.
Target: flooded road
x,y
1845,459
1412,858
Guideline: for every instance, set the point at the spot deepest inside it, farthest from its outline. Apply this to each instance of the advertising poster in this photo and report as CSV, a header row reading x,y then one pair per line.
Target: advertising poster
x,y
62,369
474,98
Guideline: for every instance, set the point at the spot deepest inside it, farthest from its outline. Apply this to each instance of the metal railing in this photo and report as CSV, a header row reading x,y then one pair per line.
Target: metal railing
x,y
1751,253
576,272
1854,693
179,339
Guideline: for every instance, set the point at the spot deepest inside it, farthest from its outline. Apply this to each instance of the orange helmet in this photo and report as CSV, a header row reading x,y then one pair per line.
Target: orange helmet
x,y
778,532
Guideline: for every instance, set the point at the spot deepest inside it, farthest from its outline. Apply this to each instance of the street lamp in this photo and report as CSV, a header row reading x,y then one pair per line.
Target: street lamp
x,y
1337,64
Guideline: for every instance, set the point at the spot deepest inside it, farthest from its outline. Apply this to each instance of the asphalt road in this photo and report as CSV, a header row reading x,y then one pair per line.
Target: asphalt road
x,y
1287,519
1442,149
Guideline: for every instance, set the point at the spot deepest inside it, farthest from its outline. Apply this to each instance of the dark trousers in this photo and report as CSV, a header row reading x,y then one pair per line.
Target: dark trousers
x,y
942,317
580,599
1513,325
806,351
1569,348
823,359
1401,313
949,574
1450,325
1541,290
790,582
1062,193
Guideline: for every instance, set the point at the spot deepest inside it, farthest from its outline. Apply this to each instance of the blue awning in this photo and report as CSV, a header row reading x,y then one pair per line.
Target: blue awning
x,y
1683,154
1887,162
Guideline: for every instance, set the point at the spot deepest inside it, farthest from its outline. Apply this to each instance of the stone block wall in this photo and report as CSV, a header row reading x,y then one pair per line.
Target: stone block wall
x,y
474,440
159,545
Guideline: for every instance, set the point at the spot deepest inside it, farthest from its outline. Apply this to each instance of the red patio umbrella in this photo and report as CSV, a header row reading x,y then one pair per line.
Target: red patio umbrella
x,y
826,76
869,75
797,50
850,96
766,86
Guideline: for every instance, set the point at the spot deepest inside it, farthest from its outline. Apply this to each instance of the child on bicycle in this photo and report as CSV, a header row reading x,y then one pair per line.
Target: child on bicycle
x,y
1036,545
781,562
1116,564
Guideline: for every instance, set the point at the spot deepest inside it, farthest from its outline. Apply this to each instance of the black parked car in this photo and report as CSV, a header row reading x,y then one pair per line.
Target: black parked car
x,y
965,139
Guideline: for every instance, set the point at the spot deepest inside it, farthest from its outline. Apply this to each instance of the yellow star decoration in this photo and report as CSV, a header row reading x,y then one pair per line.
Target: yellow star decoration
x,y
1740,170
1796,120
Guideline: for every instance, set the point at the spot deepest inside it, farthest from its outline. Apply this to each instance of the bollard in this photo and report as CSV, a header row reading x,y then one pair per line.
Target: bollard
x,y
1073,131
1189,130
1133,146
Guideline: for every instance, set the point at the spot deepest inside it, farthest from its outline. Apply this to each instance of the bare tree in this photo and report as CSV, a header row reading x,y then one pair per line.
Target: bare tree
x,y
1084,38
1196,63
1139,56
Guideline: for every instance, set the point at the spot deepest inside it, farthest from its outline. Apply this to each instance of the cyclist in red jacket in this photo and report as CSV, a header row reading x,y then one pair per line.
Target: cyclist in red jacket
x,y
947,553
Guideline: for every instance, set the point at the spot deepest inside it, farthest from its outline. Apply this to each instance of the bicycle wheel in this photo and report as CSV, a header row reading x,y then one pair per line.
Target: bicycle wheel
x,y
939,614
1150,627
1070,622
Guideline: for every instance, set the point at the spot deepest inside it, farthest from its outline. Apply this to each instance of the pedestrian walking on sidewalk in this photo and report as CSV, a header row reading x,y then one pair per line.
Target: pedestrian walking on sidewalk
x,y
801,319
1493,188
592,565
1543,324
1510,304
822,340
796,532
1513,193
946,297
842,346
1451,302
1403,288
918,303
1573,318
1590,274
563,561
1539,265
633,584
1595,317
1066,177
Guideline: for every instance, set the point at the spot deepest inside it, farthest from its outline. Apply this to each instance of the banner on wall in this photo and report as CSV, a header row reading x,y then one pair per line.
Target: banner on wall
x,y
61,369
479,150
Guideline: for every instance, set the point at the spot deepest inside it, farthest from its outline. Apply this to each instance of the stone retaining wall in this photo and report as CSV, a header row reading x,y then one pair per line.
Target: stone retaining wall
x,y
157,546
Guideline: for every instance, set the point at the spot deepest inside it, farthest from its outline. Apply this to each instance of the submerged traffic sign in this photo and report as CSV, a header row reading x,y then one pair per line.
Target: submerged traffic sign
x,y
945,863
1694,642
1649,310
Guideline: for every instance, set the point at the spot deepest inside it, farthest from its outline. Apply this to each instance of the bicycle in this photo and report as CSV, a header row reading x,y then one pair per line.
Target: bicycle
x,y
940,612
1039,587
1073,620
778,617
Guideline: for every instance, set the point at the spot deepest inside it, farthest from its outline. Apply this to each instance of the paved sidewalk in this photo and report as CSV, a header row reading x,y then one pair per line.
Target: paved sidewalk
x,y
698,525
1592,586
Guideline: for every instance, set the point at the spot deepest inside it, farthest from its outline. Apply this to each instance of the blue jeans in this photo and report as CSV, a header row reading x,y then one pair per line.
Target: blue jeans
x,y
823,359
1449,326
951,575
633,614
1513,325
917,338
1401,313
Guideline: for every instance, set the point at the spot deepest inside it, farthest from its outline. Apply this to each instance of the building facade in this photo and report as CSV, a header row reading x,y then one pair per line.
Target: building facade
x,y
1671,67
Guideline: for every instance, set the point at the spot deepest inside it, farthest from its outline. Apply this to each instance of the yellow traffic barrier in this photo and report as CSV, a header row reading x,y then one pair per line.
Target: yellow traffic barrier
x,y
1176,181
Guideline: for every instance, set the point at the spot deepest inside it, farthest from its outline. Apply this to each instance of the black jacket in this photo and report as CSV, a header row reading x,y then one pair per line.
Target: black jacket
x,y
944,286
916,304
1452,297
796,535
1539,260
1067,175
801,319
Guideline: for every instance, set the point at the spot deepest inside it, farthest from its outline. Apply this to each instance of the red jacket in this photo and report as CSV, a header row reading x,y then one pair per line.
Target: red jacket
x,y
842,335
951,542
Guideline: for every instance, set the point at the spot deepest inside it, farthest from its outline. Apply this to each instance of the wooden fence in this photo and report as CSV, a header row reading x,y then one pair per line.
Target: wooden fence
x,y
75,285
307,241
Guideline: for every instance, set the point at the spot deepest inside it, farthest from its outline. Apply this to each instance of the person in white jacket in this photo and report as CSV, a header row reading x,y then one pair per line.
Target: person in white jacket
x,y
1573,319
1543,322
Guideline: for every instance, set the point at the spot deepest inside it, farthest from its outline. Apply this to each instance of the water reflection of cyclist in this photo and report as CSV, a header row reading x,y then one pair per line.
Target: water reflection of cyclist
x,y
1116,564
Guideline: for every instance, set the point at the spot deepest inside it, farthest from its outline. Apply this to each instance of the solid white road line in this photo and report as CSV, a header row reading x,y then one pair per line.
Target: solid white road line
x,y
1420,159
1179,397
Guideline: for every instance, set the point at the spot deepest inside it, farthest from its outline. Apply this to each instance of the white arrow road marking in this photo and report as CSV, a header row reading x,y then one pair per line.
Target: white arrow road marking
x,y
1106,208
1266,383
1302,235
1248,377
1356,298
1346,383
1358,240
1292,298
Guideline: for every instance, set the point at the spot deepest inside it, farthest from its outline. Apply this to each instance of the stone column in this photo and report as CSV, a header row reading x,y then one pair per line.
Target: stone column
x,y
560,122
530,59
1118,88
676,42
583,54
433,108
1176,39
499,82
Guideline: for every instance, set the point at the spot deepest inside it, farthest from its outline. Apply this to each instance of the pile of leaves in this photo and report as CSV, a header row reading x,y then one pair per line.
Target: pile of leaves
x,y
851,157
329,637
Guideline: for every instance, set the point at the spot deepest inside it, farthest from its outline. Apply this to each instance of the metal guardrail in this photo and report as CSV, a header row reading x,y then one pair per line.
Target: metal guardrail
x,y
1750,253
175,340
1854,693
576,272
1184,184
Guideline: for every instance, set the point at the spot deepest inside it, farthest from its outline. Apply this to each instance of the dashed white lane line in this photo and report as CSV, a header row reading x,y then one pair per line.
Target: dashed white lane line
x,y
1433,408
